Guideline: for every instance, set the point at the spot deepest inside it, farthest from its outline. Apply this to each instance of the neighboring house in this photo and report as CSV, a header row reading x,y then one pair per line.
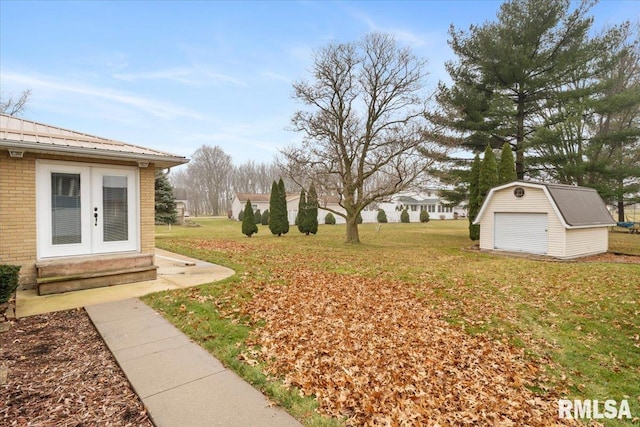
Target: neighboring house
x,y
76,211
561,221
261,201
428,200
182,205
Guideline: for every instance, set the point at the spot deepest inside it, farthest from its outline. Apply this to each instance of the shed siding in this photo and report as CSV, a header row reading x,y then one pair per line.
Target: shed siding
x,y
535,201
586,241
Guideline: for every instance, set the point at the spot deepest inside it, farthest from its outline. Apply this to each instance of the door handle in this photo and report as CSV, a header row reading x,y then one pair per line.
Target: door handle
x,y
95,216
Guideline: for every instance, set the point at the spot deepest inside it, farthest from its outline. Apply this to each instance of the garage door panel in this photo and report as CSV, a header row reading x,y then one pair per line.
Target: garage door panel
x,y
521,232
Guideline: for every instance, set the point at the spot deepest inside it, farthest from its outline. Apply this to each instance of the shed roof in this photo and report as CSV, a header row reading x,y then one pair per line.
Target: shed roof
x,y
577,206
580,206
26,135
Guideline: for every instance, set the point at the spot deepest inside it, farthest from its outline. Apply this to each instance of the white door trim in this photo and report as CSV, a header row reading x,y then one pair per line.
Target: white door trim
x,y
90,197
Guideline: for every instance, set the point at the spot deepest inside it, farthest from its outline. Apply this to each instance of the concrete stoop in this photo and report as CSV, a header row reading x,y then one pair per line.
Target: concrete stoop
x,y
73,274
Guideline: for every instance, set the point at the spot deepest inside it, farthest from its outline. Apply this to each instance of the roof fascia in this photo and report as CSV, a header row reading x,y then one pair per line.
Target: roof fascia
x,y
163,161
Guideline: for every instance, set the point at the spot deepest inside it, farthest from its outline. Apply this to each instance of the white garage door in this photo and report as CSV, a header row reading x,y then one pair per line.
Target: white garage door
x,y
521,232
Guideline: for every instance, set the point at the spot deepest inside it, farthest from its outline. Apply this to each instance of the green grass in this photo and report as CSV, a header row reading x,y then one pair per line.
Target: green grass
x,y
579,320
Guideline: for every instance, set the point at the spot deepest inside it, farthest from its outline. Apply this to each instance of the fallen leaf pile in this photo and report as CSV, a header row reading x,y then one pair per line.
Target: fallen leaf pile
x,y
60,373
227,246
372,352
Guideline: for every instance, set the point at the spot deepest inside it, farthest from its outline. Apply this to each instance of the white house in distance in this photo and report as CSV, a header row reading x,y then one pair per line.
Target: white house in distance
x,y
428,200
261,201
556,220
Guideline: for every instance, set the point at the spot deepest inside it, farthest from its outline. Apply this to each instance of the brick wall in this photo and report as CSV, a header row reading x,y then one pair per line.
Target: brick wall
x,y
147,209
18,214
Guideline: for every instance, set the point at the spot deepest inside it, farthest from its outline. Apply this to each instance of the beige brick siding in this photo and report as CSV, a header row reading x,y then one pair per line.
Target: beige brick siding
x,y
147,209
18,209
18,214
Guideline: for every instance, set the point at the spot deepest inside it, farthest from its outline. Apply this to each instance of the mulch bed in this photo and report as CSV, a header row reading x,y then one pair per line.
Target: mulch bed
x,y
59,372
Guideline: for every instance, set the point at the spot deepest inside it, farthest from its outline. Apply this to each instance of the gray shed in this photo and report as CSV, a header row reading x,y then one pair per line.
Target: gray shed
x,y
557,220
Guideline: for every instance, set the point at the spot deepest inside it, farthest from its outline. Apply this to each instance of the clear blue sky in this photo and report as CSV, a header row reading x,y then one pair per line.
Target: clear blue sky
x,y
174,75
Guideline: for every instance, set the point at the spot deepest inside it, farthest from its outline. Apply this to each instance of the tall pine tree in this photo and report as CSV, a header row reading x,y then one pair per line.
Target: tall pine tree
x,y
474,203
508,70
488,175
311,217
506,167
282,194
278,216
302,211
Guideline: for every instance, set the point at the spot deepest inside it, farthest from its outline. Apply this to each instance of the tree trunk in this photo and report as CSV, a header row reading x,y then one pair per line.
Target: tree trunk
x,y
352,229
620,197
621,210
520,137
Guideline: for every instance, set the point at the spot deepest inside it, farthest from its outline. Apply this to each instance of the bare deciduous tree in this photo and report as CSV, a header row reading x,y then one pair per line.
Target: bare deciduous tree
x,y
13,107
364,123
209,172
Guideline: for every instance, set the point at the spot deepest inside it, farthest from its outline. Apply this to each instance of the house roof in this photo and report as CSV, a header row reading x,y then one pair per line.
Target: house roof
x,y
254,197
25,135
576,207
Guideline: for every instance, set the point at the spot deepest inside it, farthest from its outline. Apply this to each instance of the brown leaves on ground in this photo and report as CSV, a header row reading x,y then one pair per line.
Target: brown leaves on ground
x,y
60,373
227,246
370,351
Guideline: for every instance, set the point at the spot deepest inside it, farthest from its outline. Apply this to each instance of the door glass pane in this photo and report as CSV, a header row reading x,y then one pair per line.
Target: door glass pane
x,y
65,209
114,208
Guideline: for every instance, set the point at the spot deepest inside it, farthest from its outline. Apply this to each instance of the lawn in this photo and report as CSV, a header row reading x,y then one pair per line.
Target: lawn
x,y
413,325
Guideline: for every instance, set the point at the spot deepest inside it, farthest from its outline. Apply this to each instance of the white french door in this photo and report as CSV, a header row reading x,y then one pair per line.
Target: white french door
x,y
84,210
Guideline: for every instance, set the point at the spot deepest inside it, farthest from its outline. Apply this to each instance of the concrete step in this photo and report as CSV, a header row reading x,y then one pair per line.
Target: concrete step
x,y
92,264
95,279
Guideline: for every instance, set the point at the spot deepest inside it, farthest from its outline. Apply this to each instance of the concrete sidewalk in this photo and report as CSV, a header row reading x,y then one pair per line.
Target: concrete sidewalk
x,y
174,272
179,382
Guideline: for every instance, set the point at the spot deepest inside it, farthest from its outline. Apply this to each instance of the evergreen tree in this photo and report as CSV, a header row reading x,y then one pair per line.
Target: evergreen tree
x,y
474,203
265,217
257,216
382,216
249,226
404,216
282,193
241,215
488,175
506,167
329,219
165,202
508,70
311,217
302,212
424,216
278,220
273,210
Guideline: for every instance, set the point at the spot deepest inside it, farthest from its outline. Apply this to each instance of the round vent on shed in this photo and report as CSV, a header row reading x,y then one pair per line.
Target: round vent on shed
x,y
518,192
